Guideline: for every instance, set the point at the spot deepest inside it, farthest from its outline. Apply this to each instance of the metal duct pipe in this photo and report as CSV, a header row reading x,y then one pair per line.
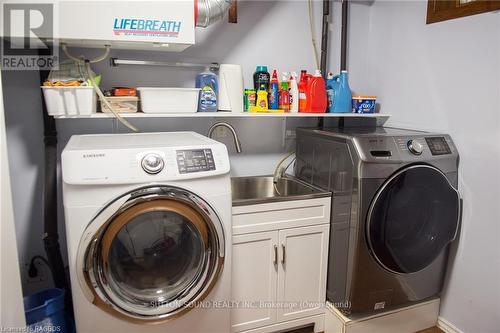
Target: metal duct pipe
x,y
210,11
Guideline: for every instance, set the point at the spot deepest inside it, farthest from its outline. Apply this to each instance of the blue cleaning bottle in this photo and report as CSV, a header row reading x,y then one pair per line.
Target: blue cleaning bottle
x,y
342,97
208,83
274,92
330,91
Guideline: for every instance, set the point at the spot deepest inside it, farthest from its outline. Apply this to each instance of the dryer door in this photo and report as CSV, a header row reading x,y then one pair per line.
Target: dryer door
x,y
413,217
152,254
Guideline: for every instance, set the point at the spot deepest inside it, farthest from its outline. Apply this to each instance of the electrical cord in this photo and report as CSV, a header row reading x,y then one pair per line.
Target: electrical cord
x,y
92,61
313,33
105,100
32,270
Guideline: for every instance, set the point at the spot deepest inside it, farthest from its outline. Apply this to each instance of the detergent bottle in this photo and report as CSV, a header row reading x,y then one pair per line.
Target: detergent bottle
x,y
274,92
303,91
261,104
261,76
330,91
284,96
316,93
208,83
342,94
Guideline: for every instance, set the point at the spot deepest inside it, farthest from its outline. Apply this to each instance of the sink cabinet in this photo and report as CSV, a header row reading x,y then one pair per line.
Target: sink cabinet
x,y
279,265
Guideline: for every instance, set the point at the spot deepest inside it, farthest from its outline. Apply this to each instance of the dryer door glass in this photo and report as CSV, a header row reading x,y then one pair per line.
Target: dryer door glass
x,y
413,217
155,256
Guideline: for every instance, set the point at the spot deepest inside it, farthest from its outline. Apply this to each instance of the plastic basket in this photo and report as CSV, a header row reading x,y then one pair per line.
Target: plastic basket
x,y
44,311
70,101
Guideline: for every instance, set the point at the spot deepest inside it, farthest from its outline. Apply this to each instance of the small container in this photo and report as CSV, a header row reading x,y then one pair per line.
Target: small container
x,y
363,104
70,101
124,91
249,99
121,104
169,100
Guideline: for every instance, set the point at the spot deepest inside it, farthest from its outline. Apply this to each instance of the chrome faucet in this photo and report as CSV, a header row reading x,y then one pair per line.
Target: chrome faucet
x,y
237,142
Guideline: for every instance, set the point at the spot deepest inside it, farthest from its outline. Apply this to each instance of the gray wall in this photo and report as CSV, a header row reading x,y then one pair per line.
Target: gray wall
x,y
446,77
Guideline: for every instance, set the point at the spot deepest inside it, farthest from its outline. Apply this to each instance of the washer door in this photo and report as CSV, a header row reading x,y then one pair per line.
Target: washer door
x,y
152,257
413,217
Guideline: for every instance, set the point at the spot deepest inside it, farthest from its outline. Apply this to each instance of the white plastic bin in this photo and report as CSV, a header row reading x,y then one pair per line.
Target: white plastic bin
x,y
169,100
70,101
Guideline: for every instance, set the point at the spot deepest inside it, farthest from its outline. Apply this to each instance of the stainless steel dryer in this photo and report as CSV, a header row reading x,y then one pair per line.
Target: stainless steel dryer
x,y
395,211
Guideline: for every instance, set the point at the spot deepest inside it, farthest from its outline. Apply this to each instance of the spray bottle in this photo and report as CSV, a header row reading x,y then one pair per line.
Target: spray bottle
x,y
284,95
274,92
294,93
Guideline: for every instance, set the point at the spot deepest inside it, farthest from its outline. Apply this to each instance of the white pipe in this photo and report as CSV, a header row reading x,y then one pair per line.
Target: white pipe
x,y
211,11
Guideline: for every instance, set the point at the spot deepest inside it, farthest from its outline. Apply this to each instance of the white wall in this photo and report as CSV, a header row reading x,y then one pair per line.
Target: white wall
x,y
446,77
11,305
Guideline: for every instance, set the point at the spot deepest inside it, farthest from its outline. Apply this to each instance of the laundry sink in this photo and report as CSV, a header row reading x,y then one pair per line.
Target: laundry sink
x,y
262,189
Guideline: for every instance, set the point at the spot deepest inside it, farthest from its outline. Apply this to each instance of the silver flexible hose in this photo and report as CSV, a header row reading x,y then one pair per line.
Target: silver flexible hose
x,y
211,11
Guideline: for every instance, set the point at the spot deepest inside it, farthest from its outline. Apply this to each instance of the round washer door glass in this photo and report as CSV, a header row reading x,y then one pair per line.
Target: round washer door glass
x,y
414,216
155,256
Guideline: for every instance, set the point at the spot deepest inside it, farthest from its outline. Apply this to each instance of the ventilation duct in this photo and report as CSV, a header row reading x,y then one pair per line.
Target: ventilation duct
x,y
210,11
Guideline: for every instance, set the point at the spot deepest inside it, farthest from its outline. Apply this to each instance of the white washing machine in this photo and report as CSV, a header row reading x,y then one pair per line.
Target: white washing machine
x,y
148,222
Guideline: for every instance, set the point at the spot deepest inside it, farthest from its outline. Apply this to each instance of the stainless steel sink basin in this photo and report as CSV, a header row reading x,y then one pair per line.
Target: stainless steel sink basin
x,y
261,189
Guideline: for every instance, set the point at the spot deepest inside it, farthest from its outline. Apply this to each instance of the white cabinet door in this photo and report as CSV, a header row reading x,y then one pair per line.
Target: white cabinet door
x,y
254,278
302,271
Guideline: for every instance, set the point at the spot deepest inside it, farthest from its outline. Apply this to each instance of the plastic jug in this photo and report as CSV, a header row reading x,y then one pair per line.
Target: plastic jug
x,y
316,94
330,91
209,85
342,97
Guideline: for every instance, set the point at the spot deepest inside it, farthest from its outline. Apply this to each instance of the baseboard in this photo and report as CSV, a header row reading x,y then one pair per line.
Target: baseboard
x,y
446,326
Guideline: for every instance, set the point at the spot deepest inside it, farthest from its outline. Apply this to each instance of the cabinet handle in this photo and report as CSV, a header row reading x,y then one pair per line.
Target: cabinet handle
x,y
284,253
275,261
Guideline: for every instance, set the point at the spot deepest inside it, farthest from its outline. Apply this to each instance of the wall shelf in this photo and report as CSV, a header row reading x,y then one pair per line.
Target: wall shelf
x,y
227,115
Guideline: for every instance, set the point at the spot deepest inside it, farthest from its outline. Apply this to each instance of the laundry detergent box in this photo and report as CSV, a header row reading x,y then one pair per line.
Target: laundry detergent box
x,y
363,104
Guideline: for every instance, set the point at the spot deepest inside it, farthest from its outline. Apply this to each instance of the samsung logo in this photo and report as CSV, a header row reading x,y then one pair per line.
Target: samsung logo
x,y
93,155
134,26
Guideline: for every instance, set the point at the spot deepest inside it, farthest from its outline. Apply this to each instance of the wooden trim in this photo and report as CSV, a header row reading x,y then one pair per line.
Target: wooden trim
x,y
233,12
436,12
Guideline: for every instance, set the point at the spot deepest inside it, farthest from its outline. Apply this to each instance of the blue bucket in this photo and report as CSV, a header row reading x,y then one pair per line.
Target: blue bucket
x,y
44,311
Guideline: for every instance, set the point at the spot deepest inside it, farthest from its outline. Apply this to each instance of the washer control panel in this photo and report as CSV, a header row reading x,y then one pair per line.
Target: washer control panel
x,y
196,160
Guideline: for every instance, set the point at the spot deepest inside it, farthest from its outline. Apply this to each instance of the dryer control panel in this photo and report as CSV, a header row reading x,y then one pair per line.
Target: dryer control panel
x,y
390,149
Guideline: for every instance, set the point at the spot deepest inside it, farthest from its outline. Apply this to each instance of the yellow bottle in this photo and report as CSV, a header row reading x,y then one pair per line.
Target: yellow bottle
x,y
261,105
